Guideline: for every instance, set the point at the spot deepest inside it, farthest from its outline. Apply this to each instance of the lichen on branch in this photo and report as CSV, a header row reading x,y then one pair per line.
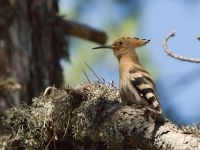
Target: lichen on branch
x,y
90,116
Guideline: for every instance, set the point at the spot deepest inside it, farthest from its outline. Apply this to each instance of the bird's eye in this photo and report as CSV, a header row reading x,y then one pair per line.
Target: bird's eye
x,y
120,43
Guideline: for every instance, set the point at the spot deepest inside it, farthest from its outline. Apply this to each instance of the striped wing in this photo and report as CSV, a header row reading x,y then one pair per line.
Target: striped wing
x,y
145,87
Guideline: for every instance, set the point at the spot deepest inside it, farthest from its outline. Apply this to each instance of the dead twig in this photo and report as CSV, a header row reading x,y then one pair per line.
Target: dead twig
x,y
49,90
86,75
68,121
46,148
94,73
172,54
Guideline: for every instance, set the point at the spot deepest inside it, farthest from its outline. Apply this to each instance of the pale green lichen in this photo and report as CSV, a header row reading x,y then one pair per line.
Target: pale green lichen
x,y
32,126
87,124
66,112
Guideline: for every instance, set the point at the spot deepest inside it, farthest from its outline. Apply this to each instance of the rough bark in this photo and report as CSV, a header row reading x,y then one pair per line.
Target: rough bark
x,y
32,45
92,117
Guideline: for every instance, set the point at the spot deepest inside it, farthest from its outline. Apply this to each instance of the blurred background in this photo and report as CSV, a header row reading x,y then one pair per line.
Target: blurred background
x,y
178,83
48,42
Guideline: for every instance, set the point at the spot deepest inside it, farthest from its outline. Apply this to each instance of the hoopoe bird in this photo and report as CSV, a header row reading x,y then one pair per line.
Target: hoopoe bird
x,y
136,84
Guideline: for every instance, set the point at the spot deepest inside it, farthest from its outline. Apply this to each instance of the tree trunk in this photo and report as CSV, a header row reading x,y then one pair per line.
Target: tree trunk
x,y
32,45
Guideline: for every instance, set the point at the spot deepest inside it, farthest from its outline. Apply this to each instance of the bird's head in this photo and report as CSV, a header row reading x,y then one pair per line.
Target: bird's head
x,y
124,45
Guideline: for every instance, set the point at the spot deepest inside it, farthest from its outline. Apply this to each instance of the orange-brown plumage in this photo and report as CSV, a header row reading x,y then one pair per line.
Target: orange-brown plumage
x,y
136,84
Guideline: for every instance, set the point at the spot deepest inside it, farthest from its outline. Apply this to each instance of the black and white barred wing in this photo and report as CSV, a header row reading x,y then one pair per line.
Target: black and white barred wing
x,y
145,89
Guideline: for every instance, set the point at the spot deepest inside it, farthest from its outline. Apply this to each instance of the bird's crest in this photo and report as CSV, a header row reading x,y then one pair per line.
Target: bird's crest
x,y
137,42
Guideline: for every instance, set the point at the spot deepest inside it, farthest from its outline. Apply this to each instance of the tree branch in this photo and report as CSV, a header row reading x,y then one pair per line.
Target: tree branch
x,y
83,31
172,54
91,117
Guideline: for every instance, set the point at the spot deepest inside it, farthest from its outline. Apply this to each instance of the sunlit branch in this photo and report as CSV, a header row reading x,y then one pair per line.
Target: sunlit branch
x,y
172,54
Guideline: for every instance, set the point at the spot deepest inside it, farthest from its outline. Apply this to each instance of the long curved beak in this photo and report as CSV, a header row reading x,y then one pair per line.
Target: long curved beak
x,y
104,46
